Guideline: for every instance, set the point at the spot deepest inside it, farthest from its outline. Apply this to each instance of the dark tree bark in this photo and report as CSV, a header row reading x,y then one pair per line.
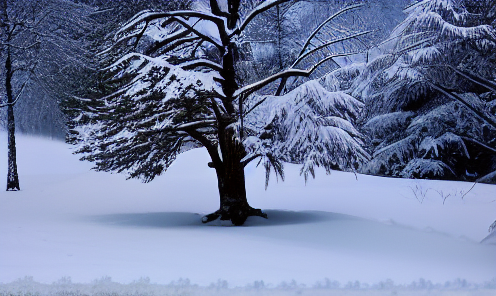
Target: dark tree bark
x,y
7,31
230,170
12,176
231,183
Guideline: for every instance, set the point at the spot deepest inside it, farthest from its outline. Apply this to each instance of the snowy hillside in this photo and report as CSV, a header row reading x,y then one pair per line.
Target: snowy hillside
x,y
68,221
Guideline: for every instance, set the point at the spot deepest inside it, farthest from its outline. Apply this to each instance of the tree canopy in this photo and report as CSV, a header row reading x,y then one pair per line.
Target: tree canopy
x,y
429,96
179,88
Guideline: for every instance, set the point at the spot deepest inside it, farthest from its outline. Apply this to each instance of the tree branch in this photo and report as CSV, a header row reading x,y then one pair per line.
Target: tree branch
x,y
211,148
37,42
214,7
476,79
200,63
184,23
478,143
250,159
149,16
258,10
137,34
249,89
175,44
309,39
18,95
479,114
201,123
173,37
255,106
301,57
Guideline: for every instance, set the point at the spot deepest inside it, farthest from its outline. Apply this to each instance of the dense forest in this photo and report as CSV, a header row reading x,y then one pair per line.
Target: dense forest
x,y
397,88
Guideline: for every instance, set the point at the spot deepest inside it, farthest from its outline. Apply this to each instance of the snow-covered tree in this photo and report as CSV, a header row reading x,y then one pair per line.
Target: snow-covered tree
x,y
179,89
40,46
108,17
430,97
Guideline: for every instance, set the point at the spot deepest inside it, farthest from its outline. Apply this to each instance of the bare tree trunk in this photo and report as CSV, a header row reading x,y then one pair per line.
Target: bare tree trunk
x,y
230,170
231,183
12,176
231,180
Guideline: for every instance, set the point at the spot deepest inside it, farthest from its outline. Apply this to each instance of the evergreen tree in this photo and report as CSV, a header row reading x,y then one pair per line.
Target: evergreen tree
x,y
179,89
430,97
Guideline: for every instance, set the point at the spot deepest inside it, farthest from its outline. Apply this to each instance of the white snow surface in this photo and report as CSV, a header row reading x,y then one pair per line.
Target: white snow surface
x,y
69,221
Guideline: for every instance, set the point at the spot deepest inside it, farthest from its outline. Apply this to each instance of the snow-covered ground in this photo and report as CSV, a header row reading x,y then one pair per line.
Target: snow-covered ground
x,y
68,221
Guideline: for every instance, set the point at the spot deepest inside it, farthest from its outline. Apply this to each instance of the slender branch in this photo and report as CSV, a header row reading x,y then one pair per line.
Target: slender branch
x,y
478,143
255,106
173,37
184,23
198,45
129,56
258,85
307,43
475,183
18,95
301,57
258,10
459,99
149,16
250,159
140,34
175,44
200,63
100,11
137,34
202,123
476,79
401,51
43,18
285,74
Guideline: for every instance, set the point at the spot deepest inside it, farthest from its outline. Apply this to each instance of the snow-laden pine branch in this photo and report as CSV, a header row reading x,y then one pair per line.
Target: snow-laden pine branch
x,y
310,126
249,89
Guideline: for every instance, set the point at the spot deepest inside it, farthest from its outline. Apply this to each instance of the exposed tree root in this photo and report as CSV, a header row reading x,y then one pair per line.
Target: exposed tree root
x,y
237,215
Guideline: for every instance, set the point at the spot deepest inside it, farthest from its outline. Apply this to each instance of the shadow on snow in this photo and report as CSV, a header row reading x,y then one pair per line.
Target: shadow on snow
x,y
186,219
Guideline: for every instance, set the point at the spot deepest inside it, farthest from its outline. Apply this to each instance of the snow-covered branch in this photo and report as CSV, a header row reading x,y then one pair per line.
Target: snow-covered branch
x,y
20,91
248,89
195,124
203,36
200,63
177,38
161,62
148,16
476,79
309,39
138,34
454,96
304,55
181,17
258,10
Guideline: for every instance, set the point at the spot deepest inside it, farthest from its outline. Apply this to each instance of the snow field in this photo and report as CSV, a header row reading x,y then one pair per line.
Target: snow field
x,y
68,221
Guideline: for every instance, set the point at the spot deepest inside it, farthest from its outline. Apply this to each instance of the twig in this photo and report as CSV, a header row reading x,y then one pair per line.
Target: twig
x,y
475,183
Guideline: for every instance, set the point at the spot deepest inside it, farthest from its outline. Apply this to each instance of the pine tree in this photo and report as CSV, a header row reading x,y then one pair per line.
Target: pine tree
x,y
179,89
429,96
